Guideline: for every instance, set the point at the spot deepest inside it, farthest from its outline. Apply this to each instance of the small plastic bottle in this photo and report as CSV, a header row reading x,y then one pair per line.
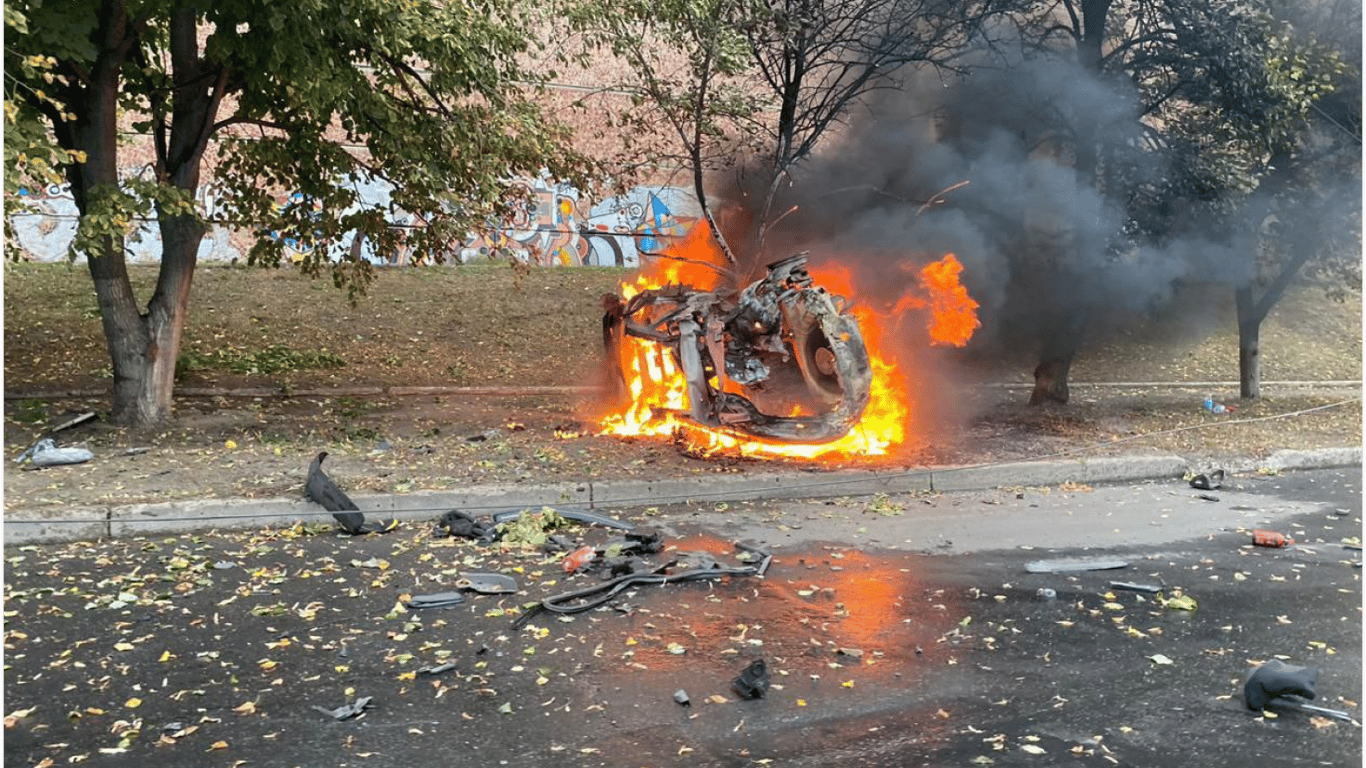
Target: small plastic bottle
x,y
1264,538
579,558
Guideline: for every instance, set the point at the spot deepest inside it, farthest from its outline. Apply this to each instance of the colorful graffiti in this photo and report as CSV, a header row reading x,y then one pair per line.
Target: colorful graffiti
x,y
614,233
45,231
553,230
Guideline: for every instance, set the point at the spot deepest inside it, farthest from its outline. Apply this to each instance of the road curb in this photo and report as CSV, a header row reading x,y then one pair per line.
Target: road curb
x,y
94,522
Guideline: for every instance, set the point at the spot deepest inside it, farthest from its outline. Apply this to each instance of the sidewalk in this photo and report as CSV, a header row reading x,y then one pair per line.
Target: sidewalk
x,y
67,523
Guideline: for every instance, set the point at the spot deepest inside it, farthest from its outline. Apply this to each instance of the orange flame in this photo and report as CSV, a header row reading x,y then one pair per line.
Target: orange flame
x,y
657,388
953,313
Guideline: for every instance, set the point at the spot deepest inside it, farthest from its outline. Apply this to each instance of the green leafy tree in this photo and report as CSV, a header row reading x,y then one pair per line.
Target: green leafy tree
x,y
1216,87
1302,222
310,97
32,158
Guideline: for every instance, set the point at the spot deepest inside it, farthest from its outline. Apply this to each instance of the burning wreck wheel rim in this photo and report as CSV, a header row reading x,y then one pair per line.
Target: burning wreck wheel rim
x,y
819,360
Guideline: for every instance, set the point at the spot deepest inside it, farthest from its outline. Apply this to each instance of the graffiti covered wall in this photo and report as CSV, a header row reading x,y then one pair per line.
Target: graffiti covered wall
x,y
558,228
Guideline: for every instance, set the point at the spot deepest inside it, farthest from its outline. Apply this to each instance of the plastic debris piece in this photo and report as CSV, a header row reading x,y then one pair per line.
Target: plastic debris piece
x,y
1216,407
321,489
73,422
437,600
1276,678
346,711
1080,564
436,670
487,583
621,566
1210,482
1151,589
753,682
681,696
1274,539
579,559
45,453
1046,593
600,594
463,526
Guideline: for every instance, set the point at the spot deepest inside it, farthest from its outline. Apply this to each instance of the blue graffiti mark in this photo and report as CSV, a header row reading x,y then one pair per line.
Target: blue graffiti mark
x,y
658,227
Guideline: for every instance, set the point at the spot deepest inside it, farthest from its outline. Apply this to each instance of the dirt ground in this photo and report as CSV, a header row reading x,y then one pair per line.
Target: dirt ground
x,y
278,367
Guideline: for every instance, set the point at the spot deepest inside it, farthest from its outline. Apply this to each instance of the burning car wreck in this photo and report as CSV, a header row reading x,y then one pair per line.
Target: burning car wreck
x,y
781,359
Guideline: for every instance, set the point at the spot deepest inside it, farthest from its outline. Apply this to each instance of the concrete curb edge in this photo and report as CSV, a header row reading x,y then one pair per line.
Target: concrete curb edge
x,y
94,522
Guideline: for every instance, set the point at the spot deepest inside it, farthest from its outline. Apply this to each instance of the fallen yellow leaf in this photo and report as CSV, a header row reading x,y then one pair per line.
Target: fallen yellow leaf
x,y
12,719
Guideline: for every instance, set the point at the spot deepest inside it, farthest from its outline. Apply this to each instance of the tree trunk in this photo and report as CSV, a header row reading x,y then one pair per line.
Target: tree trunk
x,y
144,347
1055,359
1061,345
1050,381
131,345
1249,345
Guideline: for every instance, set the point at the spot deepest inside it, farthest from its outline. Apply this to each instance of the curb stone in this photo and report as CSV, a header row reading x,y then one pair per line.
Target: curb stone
x,y
94,522
1322,458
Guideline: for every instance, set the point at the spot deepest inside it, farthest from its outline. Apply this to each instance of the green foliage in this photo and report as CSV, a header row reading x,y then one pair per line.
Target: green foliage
x,y
1221,88
428,99
29,411
271,360
531,529
32,158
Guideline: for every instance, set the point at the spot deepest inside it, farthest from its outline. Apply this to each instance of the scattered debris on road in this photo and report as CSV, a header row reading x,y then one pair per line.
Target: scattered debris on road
x,y
1150,589
1208,482
579,559
346,711
432,671
321,489
1277,678
581,517
698,566
754,681
463,526
487,583
1276,683
1078,564
1273,539
436,600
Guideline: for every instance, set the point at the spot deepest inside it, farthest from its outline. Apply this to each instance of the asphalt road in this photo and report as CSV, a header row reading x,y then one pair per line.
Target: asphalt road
x,y
904,630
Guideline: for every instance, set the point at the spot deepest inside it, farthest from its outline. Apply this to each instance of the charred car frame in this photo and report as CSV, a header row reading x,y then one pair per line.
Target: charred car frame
x,y
781,343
